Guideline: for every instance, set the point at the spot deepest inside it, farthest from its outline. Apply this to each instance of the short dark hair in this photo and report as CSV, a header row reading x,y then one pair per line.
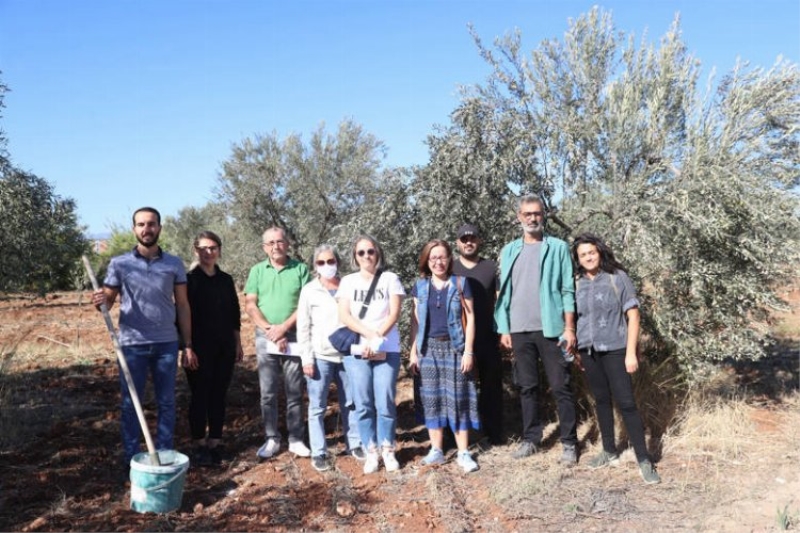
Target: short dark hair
x,y
210,235
146,210
425,255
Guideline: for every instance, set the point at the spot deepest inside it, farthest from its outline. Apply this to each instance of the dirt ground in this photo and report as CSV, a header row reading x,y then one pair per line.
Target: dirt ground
x,y
60,455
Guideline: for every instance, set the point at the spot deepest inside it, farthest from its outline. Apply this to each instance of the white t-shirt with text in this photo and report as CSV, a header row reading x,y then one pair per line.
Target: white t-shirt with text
x,y
354,288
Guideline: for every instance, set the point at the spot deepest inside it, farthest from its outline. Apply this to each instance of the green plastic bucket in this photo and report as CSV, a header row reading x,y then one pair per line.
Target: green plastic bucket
x,y
158,488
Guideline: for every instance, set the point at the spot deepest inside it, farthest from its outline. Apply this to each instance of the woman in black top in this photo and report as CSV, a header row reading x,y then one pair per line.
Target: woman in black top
x,y
216,324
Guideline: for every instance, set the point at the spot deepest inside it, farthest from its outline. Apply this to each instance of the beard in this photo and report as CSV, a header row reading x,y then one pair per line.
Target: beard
x,y
471,255
149,241
534,228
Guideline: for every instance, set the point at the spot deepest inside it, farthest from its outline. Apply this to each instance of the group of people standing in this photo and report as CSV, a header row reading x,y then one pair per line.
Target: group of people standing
x,y
464,308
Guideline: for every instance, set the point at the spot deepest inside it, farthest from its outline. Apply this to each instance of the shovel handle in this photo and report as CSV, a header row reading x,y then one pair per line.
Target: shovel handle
x,y
137,405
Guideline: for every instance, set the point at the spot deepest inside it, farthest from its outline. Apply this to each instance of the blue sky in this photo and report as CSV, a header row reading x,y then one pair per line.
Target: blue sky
x,y
122,103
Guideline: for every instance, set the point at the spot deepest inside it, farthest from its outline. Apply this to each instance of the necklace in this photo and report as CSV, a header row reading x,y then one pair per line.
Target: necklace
x,y
439,293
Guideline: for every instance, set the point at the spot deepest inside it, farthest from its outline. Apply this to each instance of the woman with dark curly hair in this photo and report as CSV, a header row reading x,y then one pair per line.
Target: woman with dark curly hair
x,y
608,334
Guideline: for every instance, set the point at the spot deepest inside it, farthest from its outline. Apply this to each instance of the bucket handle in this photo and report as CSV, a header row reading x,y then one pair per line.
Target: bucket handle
x,y
167,482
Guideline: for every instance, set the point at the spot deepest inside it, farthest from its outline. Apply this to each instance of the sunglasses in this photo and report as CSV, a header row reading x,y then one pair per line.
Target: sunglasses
x,y
212,249
330,261
370,251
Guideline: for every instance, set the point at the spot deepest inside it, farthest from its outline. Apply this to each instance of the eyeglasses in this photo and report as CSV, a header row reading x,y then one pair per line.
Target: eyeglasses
x,y
330,261
433,260
204,249
529,214
368,251
271,244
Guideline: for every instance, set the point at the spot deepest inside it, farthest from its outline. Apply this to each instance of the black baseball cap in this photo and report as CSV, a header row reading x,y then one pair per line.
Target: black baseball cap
x,y
468,229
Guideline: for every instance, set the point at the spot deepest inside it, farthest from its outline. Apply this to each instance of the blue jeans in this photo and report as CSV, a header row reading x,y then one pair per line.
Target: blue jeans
x,y
374,386
161,360
326,372
270,368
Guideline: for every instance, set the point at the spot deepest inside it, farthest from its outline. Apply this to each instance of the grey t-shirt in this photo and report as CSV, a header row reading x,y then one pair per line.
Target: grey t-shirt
x,y
146,287
602,303
526,312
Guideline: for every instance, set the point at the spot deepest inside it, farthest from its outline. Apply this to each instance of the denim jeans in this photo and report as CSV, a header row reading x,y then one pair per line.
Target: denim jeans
x,y
161,360
270,368
529,347
326,372
374,386
607,377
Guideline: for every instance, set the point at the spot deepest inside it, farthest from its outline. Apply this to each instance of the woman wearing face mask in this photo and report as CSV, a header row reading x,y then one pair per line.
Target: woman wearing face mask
x,y
317,318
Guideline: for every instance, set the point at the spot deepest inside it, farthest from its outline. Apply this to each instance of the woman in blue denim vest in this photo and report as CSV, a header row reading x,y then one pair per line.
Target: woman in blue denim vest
x,y
441,353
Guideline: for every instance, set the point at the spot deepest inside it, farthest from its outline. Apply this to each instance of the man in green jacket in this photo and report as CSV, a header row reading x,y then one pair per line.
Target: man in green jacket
x,y
535,311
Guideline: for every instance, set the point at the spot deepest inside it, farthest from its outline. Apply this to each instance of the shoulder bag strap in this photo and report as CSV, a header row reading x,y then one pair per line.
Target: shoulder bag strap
x,y
370,292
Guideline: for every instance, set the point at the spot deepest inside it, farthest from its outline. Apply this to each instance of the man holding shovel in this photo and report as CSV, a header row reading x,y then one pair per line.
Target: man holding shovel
x,y
153,288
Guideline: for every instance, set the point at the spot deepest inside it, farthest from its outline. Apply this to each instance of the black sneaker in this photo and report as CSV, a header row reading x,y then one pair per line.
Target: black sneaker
x,y
321,463
359,454
201,456
215,454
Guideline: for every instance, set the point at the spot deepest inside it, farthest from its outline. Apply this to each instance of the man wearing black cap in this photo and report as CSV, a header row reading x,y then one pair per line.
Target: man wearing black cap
x,y
482,276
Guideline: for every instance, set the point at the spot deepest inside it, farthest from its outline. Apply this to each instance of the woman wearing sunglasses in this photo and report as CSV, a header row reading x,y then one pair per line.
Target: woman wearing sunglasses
x,y
317,318
374,368
217,347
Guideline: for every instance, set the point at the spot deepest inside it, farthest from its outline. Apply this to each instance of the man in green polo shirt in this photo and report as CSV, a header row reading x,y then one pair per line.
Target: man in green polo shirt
x,y
271,295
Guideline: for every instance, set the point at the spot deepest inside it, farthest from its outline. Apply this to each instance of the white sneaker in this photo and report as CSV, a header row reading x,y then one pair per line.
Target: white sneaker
x,y
299,449
466,462
371,464
269,449
390,461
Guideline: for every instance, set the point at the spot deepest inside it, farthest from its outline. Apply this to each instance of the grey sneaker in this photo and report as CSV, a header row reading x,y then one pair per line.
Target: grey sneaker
x,y
648,471
526,449
321,463
569,457
358,453
602,459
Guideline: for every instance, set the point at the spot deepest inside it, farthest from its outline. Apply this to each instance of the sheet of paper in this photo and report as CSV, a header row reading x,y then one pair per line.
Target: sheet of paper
x,y
293,348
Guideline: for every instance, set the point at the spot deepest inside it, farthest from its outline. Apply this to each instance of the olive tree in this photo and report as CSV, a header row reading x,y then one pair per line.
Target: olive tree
x,y
310,189
41,240
692,188
40,236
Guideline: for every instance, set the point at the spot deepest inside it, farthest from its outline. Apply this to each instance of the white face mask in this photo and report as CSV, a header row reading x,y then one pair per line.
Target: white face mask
x,y
327,271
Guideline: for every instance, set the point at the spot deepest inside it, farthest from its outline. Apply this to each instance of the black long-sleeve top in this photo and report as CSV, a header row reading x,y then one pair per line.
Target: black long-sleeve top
x,y
215,308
